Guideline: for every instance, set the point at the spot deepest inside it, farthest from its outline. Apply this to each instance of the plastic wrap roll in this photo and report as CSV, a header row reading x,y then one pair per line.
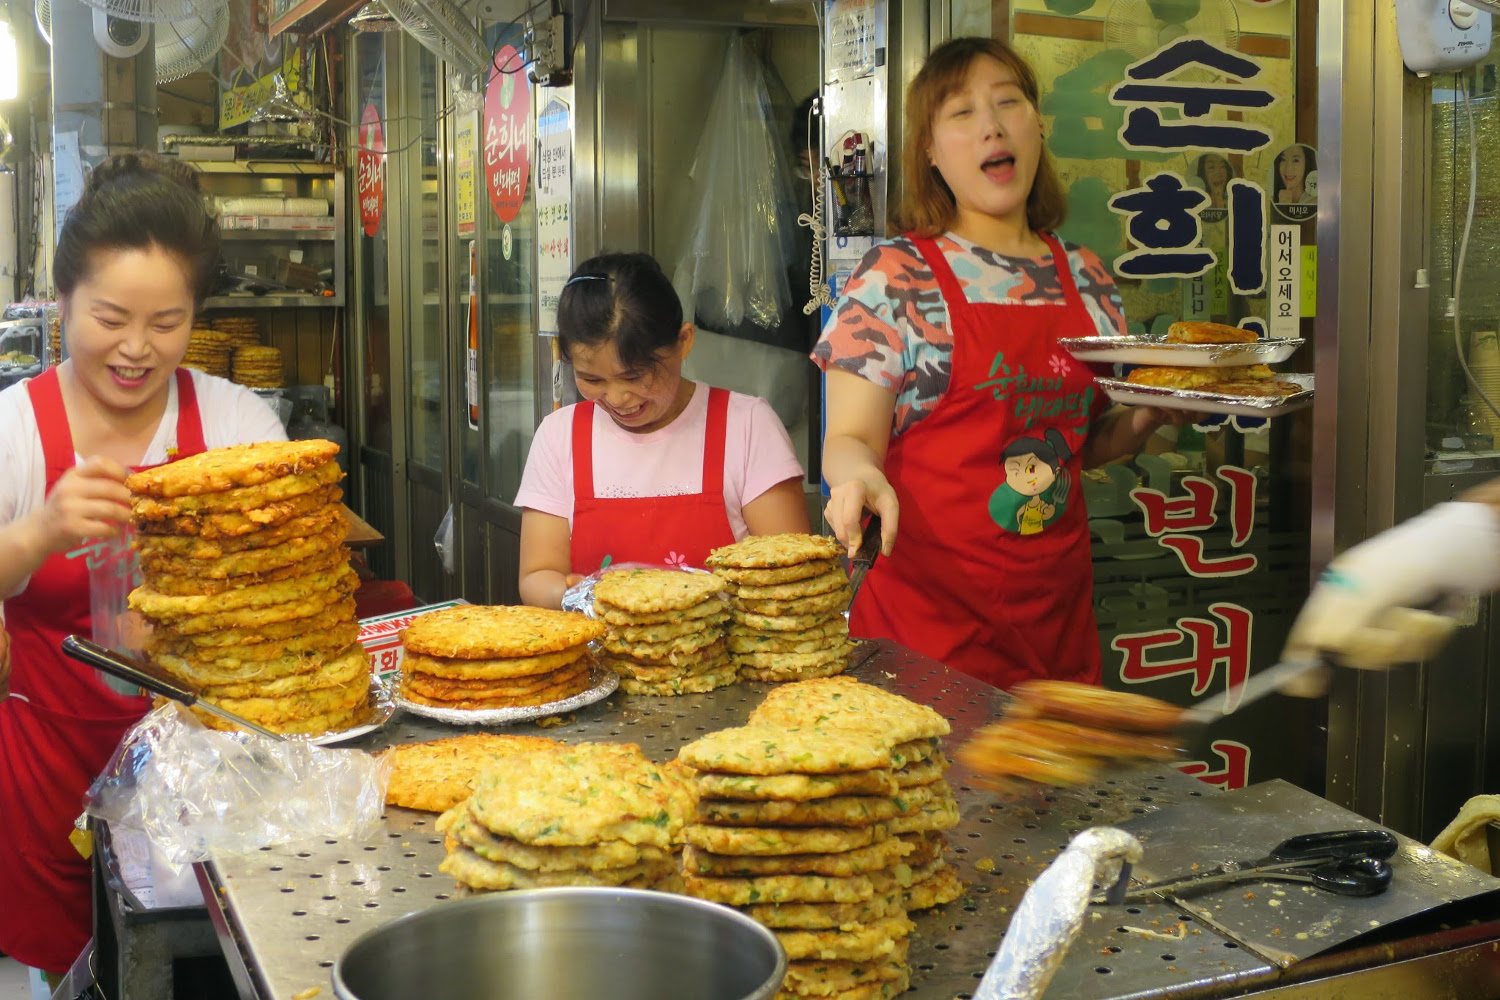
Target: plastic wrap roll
x,y
272,205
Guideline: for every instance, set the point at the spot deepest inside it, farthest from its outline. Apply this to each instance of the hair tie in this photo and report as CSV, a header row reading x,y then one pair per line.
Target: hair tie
x,y
585,277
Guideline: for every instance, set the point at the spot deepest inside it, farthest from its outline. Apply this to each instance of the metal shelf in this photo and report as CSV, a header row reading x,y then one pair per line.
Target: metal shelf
x,y
272,301
281,167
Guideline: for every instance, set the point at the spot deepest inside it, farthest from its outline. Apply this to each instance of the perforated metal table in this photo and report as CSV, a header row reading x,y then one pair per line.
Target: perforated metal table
x,y
284,916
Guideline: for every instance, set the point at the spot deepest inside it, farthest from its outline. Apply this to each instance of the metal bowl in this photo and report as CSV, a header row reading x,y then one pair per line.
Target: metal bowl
x,y
585,943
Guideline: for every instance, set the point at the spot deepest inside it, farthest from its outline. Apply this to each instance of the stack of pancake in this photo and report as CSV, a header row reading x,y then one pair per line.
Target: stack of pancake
x,y
588,814
258,367
208,351
480,658
789,596
666,630
247,582
54,338
912,731
243,331
793,830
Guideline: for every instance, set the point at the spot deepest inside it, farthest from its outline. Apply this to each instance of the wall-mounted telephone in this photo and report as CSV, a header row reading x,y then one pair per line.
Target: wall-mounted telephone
x,y
849,178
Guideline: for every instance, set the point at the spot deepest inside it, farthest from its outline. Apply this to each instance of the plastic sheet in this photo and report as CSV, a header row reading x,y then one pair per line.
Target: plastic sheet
x,y
741,239
197,792
1051,913
112,566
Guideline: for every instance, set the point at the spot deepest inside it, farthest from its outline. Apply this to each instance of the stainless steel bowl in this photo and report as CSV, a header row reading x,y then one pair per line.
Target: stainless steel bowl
x,y
566,944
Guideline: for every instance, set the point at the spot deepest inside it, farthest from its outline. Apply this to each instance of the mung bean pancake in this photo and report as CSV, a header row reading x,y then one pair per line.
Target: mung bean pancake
x,y
686,684
483,632
467,669
708,609
437,775
156,605
877,856
171,547
783,750
843,702
241,498
226,468
474,871
653,591
768,840
790,888
769,577
820,916
766,551
793,787
609,854
237,524
817,604
824,583
863,943
841,810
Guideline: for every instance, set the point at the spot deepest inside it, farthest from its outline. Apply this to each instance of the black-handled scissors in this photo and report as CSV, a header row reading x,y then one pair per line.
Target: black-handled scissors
x,y
1344,862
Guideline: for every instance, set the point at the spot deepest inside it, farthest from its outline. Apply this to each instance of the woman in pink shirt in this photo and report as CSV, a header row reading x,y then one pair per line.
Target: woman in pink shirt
x,y
651,467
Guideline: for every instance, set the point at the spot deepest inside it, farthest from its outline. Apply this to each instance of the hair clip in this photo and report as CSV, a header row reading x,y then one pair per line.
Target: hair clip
x,y
585,277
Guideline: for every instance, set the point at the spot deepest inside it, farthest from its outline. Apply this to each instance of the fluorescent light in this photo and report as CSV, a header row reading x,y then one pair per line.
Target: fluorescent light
x,y
10,69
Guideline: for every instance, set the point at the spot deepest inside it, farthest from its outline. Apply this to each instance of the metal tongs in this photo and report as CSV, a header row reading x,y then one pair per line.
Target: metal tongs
x,y
1343,862
129,669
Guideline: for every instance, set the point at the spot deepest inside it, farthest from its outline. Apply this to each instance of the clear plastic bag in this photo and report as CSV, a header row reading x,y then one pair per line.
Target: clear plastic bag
x,y
197,792
443,540
580,596
113,574
741,237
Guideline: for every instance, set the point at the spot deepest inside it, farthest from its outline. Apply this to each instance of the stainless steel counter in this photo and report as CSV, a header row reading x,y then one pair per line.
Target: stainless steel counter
x,y
285,915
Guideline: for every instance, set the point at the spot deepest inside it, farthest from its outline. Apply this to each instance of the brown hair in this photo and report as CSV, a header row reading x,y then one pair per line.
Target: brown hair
x,y
927,205
134,201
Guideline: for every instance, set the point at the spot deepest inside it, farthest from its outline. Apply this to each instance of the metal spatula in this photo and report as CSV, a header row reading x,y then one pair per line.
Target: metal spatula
x,y
144,675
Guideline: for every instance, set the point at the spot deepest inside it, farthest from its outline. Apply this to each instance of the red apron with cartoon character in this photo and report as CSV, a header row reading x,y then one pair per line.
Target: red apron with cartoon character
x,y
991,570
676,530
60,724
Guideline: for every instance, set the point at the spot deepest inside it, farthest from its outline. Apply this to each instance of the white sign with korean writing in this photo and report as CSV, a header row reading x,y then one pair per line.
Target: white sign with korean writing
x,y
554,210
1285,281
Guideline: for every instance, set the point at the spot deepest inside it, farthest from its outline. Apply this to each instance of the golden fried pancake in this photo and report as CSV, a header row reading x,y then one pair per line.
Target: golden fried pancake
x,y
242,498
184,547
447,689
337,672
226,468
877,856
790,888
903,754
259,560
923,772
841,810
296,632
784,674
257,620
474,871
437,775
683,648
700,683
482,632
781,623
843,702
569,796
462,669
156,605
764,749
187,585
1199,332
942,886
823,916
1169,377
940,814
235,670
237,524
653,591
577,683
765,840
820,604
925,848
861,943
818,978
824,583
704,610
1091,705
299,705
793,787
659,632
463,827
743,639
770,576
763,551
311,725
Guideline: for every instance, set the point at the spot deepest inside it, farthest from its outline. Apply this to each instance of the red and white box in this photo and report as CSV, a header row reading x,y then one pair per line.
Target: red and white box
x,y
381,636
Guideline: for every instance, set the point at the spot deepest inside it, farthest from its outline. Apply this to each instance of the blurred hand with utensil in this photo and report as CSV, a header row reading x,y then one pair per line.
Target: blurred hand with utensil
x,y
1390,599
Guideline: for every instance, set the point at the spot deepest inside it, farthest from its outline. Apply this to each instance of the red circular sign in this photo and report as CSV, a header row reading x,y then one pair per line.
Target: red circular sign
x,y
507,134
371,163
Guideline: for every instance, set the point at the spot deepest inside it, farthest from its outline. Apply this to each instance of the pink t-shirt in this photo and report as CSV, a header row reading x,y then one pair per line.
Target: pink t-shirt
x,y
668,462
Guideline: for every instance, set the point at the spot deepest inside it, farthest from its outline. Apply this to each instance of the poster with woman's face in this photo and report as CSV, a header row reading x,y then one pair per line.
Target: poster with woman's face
x,y
1212,174
1294,183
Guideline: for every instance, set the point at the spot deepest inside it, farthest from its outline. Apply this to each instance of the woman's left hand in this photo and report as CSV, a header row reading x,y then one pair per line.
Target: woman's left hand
x,y
1144,420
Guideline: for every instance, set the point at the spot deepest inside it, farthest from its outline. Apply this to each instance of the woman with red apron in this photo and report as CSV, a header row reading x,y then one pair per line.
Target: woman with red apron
x,y
64,714
651,467
952,412
135,259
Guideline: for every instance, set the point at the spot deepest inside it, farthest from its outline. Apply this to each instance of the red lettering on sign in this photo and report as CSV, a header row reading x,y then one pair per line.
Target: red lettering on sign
x,y
1206,650
507,134
1234,772
1190,551
370,165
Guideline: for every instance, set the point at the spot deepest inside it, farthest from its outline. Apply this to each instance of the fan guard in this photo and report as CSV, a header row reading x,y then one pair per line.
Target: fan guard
x,y
182,47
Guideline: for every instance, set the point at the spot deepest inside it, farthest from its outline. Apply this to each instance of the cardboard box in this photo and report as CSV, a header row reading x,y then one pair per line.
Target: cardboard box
x,y
381,636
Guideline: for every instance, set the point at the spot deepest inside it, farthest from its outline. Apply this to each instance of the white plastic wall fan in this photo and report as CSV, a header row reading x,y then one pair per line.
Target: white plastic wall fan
x,y
183,46
1140,27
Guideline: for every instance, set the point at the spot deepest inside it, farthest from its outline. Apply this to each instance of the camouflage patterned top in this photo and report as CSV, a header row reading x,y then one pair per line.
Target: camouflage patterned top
x,y
890,326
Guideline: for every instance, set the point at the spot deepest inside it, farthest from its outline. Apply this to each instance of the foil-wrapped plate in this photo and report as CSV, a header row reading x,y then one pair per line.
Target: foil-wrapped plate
x,y
1194,400
382,708
605,682
1148,351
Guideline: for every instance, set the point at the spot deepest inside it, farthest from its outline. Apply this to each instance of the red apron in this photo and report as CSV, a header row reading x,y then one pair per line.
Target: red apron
x,y
676,531
991,570
60,725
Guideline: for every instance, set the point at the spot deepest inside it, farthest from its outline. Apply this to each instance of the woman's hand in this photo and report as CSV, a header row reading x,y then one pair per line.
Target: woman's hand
x,y
89,501
846,508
